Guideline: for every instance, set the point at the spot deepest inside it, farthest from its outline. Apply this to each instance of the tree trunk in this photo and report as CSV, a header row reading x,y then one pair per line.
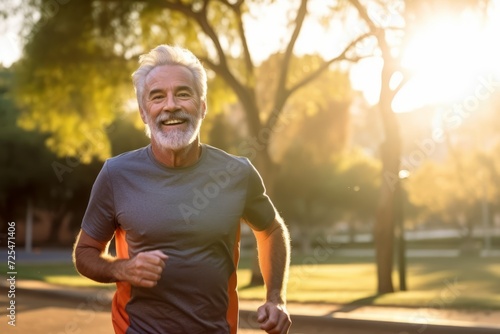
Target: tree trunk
x,y
390,151
384,225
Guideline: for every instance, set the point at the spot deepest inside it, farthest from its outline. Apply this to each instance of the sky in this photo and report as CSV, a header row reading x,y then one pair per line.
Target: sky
x,y
10,42
445,61
444,58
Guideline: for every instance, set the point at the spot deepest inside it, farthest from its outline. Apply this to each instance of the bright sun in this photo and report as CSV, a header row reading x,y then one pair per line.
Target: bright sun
x,y
448,58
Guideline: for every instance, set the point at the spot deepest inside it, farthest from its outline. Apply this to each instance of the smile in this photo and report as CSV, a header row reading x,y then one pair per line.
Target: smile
x,y
173,122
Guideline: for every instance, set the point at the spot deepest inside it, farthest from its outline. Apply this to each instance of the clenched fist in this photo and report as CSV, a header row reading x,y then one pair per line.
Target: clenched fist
x,y
143,270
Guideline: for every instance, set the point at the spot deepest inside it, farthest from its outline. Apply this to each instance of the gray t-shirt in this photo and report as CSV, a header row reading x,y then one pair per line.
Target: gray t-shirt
x,y
193,215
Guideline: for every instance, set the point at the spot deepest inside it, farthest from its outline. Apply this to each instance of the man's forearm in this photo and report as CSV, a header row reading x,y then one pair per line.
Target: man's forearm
x,y
91,260
274,258
91,263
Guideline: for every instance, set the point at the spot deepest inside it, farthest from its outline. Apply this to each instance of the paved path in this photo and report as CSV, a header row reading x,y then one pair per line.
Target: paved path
x,y
59,310
414,320
39,312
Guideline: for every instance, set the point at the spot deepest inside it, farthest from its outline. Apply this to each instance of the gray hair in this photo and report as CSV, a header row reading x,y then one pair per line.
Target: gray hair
x,y
169,55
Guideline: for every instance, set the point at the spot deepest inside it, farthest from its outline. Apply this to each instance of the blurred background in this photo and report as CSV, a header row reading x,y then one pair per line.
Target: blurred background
x,y
373,123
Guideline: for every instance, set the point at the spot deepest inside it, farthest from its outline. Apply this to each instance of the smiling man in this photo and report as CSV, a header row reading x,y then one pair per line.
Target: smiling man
x,y
174,209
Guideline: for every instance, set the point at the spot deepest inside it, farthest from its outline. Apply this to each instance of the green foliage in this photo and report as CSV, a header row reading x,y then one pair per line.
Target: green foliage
x,y
29,169
455,189
22,151
442,191
124,134
345,185
71,83
24,160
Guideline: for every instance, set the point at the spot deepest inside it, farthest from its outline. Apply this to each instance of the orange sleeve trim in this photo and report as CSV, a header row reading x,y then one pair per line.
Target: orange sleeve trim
x,y
233,307
120,318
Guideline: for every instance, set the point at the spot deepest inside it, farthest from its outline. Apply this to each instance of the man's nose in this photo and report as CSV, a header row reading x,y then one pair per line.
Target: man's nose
x,y
170,103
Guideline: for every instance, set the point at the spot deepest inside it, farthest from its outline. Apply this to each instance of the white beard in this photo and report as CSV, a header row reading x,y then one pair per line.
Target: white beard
x,y
174,139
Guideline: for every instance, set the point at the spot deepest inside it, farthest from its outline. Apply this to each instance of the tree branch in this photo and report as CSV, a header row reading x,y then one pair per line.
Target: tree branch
x,y
389,61
326,64
282,93
249,66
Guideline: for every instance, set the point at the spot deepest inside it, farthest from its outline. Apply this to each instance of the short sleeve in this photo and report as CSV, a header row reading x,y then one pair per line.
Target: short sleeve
x,y
259,211
99,218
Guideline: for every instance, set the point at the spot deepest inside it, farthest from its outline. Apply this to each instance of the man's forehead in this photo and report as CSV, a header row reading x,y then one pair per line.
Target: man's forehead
x,y
172,74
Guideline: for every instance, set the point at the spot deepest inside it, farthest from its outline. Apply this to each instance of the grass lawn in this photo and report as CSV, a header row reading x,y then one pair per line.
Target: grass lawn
x,y
460,283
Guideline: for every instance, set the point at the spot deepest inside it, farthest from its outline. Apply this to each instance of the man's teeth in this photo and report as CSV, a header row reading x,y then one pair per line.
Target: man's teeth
x,y
172,122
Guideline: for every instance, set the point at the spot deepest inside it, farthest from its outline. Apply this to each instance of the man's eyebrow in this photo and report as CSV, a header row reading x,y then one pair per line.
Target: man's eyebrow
x,y
155,91
188,88
178,88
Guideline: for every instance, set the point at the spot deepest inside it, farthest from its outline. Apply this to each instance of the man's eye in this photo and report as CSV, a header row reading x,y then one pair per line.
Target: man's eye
x,y
184,94
156,97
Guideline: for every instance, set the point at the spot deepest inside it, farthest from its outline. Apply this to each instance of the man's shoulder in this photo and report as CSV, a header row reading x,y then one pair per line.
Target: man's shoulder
x,y
126,158
217,155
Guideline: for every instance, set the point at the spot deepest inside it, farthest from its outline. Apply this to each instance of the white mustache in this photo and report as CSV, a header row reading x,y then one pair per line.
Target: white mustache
x,y
181,115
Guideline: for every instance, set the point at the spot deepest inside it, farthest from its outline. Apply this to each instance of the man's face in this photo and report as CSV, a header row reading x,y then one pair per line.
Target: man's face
x,y
173,109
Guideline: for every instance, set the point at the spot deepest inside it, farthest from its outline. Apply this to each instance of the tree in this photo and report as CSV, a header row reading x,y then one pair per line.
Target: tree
x,y
341,186
71,81
393,23
316,135
466,184
27,168
390,149
206,27
216,32
20,149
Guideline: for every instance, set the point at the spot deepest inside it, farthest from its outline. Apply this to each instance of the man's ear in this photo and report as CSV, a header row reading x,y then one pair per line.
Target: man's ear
x,y
143,115
203,109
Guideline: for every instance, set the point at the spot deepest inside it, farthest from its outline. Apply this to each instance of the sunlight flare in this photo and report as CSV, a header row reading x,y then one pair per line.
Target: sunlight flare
x,y
447,58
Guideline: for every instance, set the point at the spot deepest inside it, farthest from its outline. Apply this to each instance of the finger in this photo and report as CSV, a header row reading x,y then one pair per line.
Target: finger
x,y
158,254
262,314
146,269
157,258
272,321
148,261
146,283
277,322
147,277
269,325
153,274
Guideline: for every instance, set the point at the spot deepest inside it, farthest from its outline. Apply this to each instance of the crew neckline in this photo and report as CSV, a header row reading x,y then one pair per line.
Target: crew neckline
x,y
149,150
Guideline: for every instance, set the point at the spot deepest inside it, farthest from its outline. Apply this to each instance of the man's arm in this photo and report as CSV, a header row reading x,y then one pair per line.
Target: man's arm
x,y
273,246
91,260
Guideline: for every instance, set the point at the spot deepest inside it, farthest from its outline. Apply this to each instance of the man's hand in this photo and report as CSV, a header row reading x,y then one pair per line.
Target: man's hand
x,y
143,270
274,318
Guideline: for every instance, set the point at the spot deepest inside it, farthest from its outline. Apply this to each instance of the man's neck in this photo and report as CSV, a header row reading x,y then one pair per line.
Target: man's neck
x,y
177,158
